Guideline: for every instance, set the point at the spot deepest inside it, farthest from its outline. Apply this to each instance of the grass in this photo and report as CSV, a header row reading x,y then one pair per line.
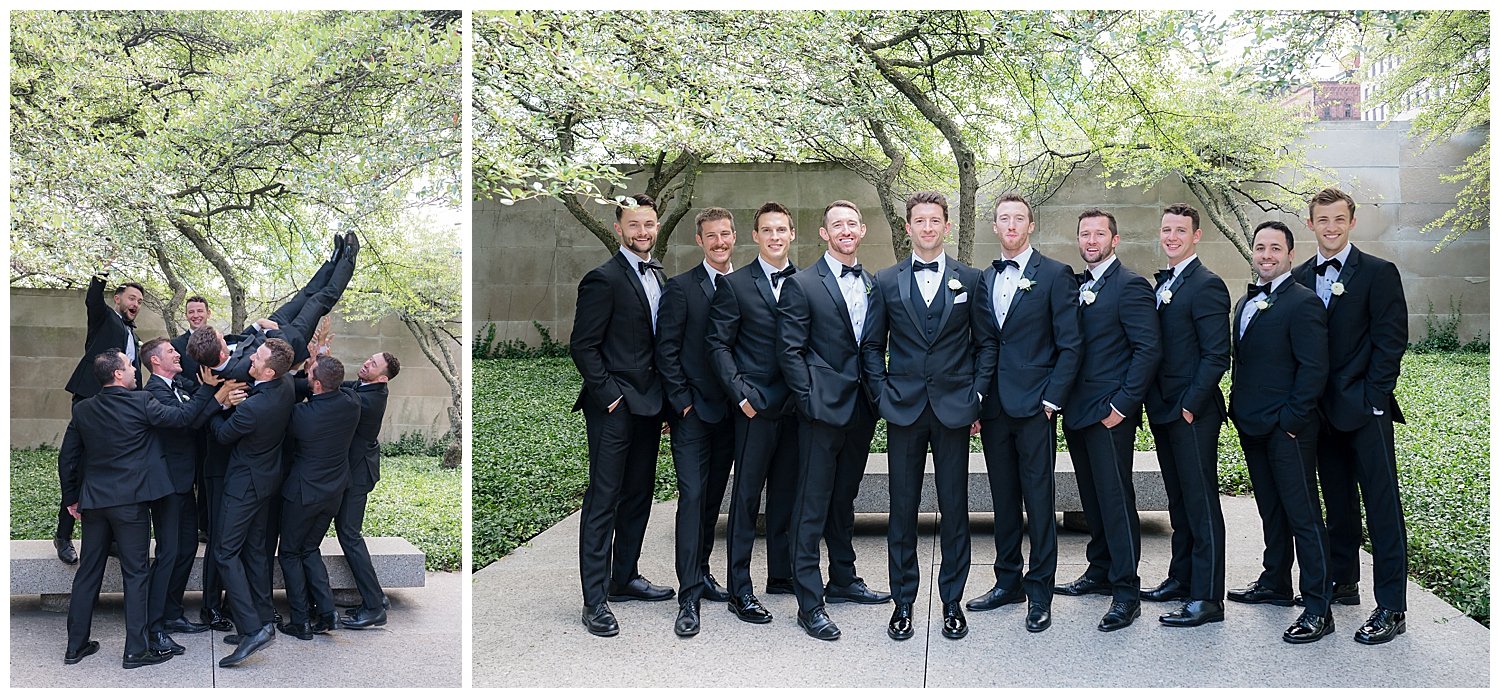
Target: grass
x,y
416,499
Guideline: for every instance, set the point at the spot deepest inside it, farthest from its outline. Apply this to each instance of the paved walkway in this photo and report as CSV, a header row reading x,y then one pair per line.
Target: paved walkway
x,y
527,631
421,645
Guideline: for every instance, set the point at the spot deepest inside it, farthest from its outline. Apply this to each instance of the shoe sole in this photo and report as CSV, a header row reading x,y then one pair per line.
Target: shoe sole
x,y
1043,627
900,636
137,665
1284,603
1304,640
956,636
844,599
971,606
87,650
1342,601
619,597
1179,624
1122,626
810,634
680,633
184,631
756,621
1367,640
364,625
602,633
222,662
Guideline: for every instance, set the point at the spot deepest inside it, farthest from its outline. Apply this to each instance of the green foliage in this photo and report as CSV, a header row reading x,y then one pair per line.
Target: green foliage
x,y
487,348
1442,333
416,443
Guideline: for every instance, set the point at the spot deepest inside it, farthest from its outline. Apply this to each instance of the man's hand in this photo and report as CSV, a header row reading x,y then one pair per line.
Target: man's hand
x,y
1049,412
230,393
268,324
1113,419
686,410
1187,416
206,376
747,409
615,404
73,509
974,428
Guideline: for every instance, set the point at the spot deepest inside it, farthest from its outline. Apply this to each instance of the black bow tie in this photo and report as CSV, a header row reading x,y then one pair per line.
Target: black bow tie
x,y
924,266
129,323
777,276
643,266
1323,268
1165,275
1256,289
1086,276
1001,264
856,270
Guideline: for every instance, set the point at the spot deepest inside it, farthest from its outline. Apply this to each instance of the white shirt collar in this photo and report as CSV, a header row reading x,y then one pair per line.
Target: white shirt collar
x,y
1278,281
1021,259
1342,256
836,266
1103,266
164,379
632,258
714,273
766,266
1180,267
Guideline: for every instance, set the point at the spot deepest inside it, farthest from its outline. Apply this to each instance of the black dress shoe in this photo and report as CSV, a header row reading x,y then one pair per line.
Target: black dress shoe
x,y
639,589
1083,586
215,620
233,639
713,591
1255,593
995,598
749,609
955,626
249,645
89,648
1169,590
1308,628
183,625
688,623
818,624
65,550
600,621
351,243
1382,627
1346,594
276,617
147,658
1193,614
900,625
162,643
780,585
1038,618
856,592
301,631
324,623
1120,614
385,603
364,619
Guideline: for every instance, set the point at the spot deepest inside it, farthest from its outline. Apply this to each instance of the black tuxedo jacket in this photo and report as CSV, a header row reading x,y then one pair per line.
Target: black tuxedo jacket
x,y
106,330
189,365
179,444
940,368
1280,364
116,455
253,431
743,341
682,346
245,345
1195,347
318,436
612,342
1366,338
819,355
364,448
1040,348
1122,343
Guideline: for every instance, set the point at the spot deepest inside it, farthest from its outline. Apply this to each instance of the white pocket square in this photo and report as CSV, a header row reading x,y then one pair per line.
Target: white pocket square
x,y
961,298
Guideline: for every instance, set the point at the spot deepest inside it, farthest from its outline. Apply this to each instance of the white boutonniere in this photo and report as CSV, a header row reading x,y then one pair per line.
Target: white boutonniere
x,y
1025,284
1087,297
955,285
1338,288
1166,296
1262,304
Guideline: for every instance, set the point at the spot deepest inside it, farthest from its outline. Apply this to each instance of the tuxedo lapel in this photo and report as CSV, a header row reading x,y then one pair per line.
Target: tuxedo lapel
x,y
706,283
831,283
635,282
763,284
1028,273
1270,300
1347,271
949,274
904,275
1239,312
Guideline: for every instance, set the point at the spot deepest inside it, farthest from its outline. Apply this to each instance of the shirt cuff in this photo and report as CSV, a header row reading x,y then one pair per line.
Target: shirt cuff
x,y
1051,406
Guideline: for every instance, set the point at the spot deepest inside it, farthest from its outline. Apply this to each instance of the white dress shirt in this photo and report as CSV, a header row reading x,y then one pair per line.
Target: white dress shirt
x,y
769,270
1008,284
852,286
1325,280
648,282
928,281
1249,310
1176,280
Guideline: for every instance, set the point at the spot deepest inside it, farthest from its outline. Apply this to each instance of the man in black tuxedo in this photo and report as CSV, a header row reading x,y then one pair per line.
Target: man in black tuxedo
x,y
318,437
1280,368
197,312
364,473
929,396
1122,349
253,432
107,328
825,311
1030,305
614,347
742,347
110,473
1186,409
702,432
1366,309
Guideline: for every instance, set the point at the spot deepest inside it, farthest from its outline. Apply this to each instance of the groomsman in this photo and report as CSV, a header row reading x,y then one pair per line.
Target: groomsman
x,y
1186,409
930,397
1280,368
1030,305
702,433
1356,441
742,348
370,389
614,346
1122,349
824,313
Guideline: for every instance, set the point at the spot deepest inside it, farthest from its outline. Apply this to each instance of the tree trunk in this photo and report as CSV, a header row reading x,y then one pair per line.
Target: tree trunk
x,y
237,313
434,344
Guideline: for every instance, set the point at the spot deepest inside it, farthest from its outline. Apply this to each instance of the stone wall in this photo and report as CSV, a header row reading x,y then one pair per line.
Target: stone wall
x,y
528,258
47,328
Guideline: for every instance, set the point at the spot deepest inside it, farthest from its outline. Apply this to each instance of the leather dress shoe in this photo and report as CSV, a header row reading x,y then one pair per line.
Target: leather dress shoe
x,y
640,589
147,658
900,625
856,592
249,645
955,626
1083,586
385,603
364,619
1169,590
780,585
301,631
276,617
1346,594
351,243
687,624
1308,628
600,621
1194,613
713,591
324,623
215,620
818,624
995,598
1120,614
1382,627
183,625
1255,593
749,609
160,643
65,550
1038,618
89,648
232,639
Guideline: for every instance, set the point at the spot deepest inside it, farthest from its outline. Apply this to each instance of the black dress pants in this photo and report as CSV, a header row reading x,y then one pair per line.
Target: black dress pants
x,y
908,457
617,502
1020,457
